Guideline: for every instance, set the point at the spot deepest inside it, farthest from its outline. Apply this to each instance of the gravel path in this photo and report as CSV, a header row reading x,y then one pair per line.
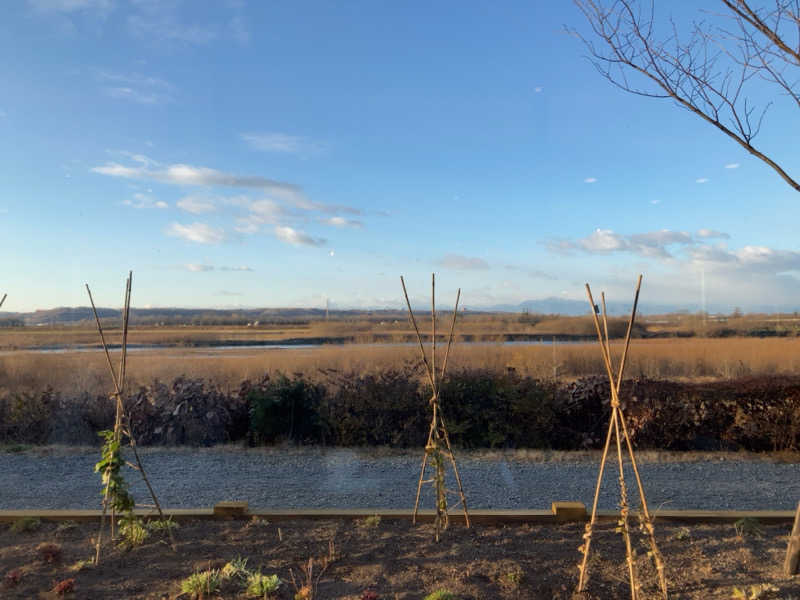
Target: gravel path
x,y
343,478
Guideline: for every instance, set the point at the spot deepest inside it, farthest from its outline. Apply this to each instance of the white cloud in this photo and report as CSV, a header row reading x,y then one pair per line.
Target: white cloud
x,y
188,175
732,166
144,201
654,202
197,205
203,268
342,222
199,233
297,238
702,180
712,233
653,243
590,180
199,268
460,262
538,89
279,142
603,240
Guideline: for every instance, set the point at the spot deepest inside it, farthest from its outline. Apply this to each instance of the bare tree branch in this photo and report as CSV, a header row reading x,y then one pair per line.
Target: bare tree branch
x,y
691,72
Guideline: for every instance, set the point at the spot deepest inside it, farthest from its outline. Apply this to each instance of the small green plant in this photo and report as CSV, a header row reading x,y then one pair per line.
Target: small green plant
x,y
132,531
49,552
511,580
81,565
748,526
754,592
235,568
25,524
203,583
682,534
441,595
256,521
371,522
161,525
261,586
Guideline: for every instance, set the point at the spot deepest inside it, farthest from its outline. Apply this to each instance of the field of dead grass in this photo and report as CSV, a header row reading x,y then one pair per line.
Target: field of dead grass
x,y
674,358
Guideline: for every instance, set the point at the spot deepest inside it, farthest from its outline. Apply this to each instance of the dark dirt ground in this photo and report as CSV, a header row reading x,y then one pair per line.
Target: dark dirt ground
x,y
396,560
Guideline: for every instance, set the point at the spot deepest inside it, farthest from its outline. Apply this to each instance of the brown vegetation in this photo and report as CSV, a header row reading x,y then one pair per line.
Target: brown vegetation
x,y
675,358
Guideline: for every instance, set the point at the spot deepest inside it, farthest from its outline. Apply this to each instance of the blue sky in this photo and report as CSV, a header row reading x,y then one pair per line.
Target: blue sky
x,y
240,153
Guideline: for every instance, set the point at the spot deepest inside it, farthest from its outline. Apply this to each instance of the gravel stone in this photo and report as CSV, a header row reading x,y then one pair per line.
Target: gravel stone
x,y
374,479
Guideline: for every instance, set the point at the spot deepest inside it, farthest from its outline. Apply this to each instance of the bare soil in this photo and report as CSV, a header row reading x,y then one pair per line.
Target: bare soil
x,y
396,560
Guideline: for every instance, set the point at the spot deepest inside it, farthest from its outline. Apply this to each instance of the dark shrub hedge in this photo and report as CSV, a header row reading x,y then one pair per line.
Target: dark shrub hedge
x,y
482,409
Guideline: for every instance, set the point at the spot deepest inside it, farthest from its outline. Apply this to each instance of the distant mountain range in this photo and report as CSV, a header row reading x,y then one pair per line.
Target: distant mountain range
x,y
208,316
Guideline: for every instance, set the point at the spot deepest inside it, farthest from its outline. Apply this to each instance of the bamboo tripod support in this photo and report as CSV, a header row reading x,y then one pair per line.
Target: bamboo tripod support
x,y
120,427
437,448
617,425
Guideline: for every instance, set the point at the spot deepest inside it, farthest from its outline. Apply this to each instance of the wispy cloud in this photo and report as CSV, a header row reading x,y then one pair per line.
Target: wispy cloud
x,y
462,263
297,238
197,205
199,268
199,233
590,180
135,87
732,166
188,175
140,200
163,22
241,268
702,180
280,142
204,268
342,222
712,233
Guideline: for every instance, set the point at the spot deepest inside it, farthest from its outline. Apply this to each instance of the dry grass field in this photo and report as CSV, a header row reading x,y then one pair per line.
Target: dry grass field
x,y
672,358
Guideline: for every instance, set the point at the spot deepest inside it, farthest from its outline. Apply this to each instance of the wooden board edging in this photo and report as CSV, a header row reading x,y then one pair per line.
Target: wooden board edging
x,y
560,512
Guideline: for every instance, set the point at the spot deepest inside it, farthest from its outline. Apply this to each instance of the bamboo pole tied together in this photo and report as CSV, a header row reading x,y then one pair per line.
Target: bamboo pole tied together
x,y
438,450
122,422
618,429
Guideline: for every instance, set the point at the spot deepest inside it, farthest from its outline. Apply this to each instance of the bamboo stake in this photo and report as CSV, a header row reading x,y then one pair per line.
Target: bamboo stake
x,y
793,548
433,334
419,337
450,337
3,300
422,474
